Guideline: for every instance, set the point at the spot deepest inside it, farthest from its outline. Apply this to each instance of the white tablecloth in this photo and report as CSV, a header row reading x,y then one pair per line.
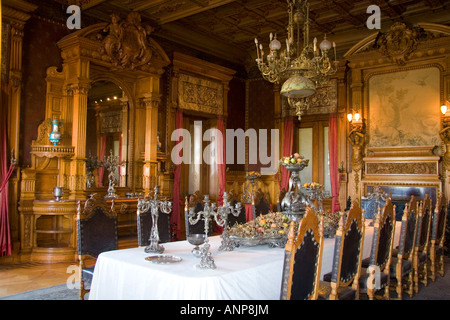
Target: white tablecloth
x,y
246,273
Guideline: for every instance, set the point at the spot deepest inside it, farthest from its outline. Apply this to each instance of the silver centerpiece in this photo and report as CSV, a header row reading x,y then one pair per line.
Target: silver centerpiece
x,y
154,205
58,192
294,202
210,211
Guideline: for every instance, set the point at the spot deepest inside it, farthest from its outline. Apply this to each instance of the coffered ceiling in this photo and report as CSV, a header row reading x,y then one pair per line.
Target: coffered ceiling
x,y
227,28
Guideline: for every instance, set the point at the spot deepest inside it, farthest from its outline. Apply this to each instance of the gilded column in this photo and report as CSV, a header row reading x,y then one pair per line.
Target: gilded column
x,y
77,180
151,104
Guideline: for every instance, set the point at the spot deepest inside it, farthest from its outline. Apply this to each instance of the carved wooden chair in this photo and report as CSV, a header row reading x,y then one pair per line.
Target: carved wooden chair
x,y
303,259
280,199
196,202
260,204
343,280
437,238
233,198
402,258
96,232
145,224
375,199
420,259
375,272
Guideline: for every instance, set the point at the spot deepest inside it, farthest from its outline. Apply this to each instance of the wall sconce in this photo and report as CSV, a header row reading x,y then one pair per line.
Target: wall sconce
x,y
55,135
355,119
445,113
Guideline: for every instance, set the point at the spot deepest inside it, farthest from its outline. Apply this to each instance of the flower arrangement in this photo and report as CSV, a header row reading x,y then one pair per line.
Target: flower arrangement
x,y
271,225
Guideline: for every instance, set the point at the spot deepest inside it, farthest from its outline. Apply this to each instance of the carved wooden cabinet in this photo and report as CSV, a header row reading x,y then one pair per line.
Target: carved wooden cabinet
x,y
48,230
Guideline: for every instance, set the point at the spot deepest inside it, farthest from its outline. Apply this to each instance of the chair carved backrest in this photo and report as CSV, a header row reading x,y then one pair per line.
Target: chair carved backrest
x,y
96,226
423,225
260,203
233,199
439,222
348,250
408,229
280,199
145,224
383,236
196,202
303,259
374,200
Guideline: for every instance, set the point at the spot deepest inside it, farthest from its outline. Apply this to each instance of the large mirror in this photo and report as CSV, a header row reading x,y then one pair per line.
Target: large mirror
x,y
106,134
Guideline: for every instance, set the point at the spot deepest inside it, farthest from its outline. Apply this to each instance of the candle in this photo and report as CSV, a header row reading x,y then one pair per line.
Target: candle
x,y
334,46
257,51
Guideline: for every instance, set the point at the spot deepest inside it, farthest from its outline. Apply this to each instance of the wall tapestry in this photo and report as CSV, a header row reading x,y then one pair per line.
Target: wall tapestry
x,y
404,108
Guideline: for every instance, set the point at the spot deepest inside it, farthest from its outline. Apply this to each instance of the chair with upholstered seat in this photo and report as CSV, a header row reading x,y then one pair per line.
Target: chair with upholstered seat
x,y
260,204
145,224
420,259
402,258
233,199
437,238
196,204
343,280
303,259
375,273
280,199
97,233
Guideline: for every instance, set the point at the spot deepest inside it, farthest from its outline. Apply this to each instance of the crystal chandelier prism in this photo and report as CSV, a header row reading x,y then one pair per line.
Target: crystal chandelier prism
x,y
304,65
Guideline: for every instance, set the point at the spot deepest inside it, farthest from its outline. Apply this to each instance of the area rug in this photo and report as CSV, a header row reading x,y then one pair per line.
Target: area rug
x,y
59,292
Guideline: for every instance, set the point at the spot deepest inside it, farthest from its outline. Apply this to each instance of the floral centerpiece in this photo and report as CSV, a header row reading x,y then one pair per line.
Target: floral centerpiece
x,y
268,228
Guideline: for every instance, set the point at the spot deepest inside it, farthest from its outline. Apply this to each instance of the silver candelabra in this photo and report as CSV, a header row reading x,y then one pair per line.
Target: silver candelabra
x,y
224,211
154,205
209,212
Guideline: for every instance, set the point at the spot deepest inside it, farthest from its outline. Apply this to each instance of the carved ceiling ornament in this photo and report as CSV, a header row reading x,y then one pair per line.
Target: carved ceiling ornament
x,y
126,42
399,42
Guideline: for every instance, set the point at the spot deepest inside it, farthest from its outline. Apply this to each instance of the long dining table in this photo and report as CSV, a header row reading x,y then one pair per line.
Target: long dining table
x,y
245,273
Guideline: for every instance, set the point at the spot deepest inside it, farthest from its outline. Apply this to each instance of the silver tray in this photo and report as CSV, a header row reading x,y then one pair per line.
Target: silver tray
x,y
164,259
256,241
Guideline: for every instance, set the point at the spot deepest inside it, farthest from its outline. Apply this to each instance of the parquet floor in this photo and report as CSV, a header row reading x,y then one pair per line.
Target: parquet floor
x,y
17,278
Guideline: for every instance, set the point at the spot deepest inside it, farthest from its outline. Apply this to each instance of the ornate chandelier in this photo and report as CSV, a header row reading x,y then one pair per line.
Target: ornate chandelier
x,y
305,67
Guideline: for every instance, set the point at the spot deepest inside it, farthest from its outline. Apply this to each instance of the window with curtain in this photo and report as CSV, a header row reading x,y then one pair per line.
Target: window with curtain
x,y
311,141
202,173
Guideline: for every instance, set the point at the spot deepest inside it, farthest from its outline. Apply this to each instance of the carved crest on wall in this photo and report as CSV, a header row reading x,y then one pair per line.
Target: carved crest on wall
x,y
126,42
399,42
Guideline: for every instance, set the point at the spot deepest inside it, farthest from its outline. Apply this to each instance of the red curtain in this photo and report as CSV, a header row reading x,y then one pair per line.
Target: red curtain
x,y
101,170
332,149
5,173
175,217
288,140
